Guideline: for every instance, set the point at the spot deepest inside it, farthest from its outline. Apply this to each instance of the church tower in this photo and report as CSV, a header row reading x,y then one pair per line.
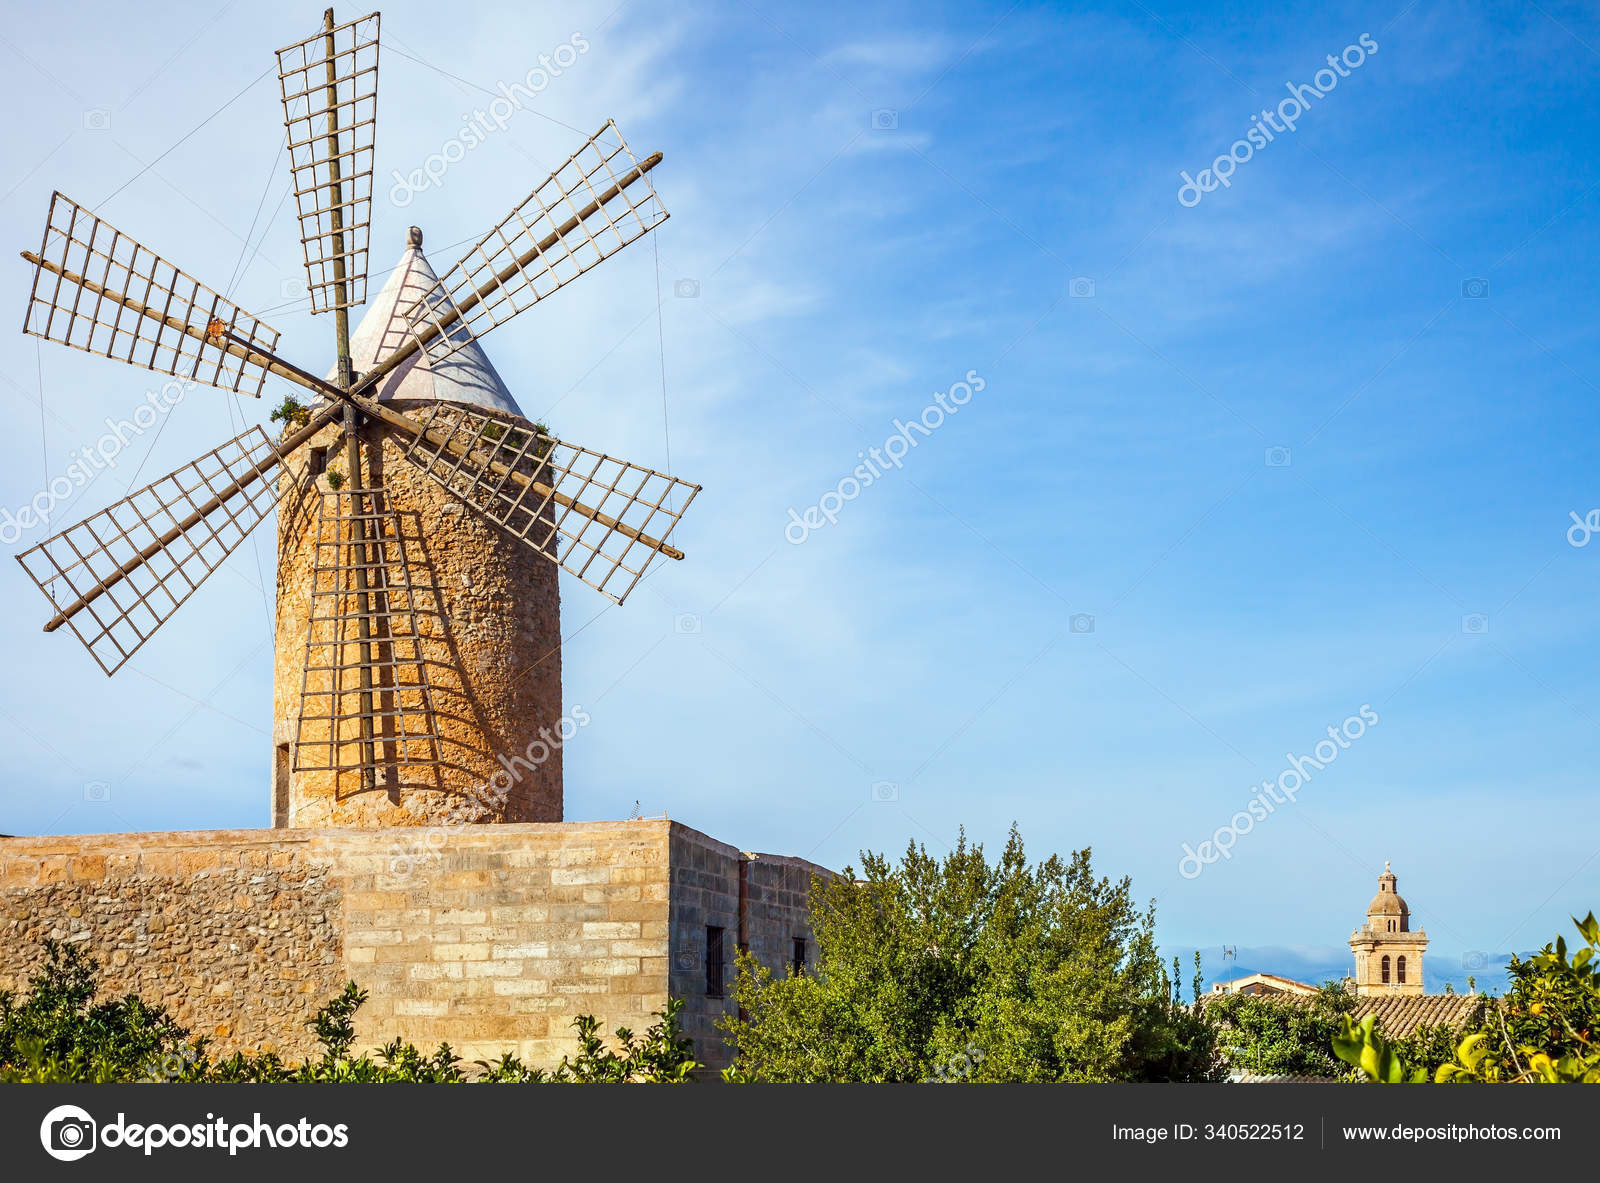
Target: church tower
x,y
1388,954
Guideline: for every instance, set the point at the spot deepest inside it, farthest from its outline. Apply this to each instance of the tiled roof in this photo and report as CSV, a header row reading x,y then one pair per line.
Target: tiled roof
x,y
1400,1015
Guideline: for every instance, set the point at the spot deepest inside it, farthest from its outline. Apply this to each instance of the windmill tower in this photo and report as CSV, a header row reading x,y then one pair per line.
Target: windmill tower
x,y
421,515
467,625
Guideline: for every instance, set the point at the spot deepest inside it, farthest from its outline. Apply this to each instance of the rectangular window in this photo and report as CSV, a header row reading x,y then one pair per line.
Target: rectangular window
x,y
799,956
319,462
714,958
280,787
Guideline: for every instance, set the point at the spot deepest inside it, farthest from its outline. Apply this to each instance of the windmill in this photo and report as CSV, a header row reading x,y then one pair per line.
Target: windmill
x,y
419,510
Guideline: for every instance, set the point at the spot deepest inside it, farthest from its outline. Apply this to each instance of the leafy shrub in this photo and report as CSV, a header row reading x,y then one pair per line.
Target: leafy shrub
x,y
1005,971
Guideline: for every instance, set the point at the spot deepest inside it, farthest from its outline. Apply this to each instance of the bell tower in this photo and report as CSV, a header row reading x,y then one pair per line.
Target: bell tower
x,y
1388,954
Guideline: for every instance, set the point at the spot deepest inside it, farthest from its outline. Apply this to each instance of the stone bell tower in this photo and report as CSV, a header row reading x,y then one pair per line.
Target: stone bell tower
x,y
1388,954
466,668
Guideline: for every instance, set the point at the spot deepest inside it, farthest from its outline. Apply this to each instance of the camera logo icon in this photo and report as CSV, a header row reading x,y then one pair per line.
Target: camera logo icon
x,y
293,288
97,792
884,791
1082,287
885,120
687,622
67,1133
97,119
1080,622
1475,622
1278,457
686,289
1474,959
1475,289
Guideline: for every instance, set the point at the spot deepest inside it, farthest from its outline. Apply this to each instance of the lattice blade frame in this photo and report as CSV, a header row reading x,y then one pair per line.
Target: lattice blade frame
x,y
120,620
565,521
548,240
404,719
98,290
333,231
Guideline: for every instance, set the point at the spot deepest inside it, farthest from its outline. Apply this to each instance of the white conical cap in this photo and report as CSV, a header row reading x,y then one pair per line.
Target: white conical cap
x,y
465,377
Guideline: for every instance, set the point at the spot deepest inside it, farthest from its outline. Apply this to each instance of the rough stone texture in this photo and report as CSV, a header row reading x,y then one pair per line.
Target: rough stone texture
x,y
237,936
492,938
489,617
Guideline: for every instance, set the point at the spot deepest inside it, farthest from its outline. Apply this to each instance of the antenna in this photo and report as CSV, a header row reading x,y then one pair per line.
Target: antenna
x,y
117,576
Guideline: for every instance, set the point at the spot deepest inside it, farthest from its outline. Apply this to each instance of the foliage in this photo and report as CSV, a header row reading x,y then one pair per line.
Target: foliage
x,y
1366,1048
290,413
335,478
58,1034
957,969
1281,1037
1547,1028
515,440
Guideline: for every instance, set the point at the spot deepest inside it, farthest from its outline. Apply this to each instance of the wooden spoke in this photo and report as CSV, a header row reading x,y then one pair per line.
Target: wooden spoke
x,y
366,701
98,290
329,85
119,575
591,207
597,517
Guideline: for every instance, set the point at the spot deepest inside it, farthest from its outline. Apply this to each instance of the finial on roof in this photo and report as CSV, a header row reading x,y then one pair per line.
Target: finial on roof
x,y
1386,870
414,236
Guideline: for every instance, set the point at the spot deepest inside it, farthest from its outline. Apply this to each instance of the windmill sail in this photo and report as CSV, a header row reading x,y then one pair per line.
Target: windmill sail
x,y
591,207
329,85
364,707
597,517
119,575
98,290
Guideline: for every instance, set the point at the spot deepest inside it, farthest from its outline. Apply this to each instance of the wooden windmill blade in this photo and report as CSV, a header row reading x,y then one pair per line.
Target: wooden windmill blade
x,y
329,85
598,518
591,207
120,574
98,290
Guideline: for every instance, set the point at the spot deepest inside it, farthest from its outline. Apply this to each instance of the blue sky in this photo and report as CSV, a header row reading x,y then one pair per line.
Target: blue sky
x,y
1276,452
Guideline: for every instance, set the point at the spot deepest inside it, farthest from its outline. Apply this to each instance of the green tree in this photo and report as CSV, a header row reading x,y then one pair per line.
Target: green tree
x,y
957,969
1276,1036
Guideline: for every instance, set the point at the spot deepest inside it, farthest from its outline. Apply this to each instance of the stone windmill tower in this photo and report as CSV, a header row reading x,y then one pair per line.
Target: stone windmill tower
x,y
422,516
468,680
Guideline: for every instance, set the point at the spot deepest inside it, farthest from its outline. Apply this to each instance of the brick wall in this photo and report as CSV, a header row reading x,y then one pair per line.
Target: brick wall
x,y
492,938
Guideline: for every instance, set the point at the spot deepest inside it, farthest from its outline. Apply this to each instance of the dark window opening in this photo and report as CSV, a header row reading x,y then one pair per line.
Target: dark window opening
x,y
1385,969
714,958
318,462
1400,971
799,955
280,787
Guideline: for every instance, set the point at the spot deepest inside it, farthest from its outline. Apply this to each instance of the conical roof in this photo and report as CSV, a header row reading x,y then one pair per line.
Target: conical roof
x,y
465,377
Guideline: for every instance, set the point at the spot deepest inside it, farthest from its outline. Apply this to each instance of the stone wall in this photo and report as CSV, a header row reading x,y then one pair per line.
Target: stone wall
x,y
235,933
765,913
491,938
